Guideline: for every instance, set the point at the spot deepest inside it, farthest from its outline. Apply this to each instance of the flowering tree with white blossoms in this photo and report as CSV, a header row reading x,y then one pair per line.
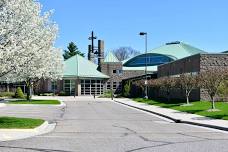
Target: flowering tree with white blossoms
x,y
26,43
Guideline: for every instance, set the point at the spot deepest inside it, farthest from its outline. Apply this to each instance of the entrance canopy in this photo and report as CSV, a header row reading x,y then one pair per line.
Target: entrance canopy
x,y
81,68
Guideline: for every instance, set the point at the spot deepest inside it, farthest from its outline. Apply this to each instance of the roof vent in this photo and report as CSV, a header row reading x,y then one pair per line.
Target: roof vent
x,y
175,42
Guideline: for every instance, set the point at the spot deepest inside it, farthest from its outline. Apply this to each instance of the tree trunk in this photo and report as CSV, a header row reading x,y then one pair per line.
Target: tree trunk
x,y
168,94
213,103
29,89
187,96
187,99
7,87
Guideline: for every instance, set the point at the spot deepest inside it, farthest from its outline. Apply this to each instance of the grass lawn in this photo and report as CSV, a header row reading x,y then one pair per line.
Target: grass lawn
x,y
54,102
198,107
19,123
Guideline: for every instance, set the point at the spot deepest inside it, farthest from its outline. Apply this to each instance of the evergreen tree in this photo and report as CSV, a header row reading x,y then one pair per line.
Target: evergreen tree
x,y
72,51
19,93
127,89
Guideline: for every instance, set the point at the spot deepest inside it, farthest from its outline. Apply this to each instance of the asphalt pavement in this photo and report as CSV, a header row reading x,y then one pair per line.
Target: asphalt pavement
x,y
88,125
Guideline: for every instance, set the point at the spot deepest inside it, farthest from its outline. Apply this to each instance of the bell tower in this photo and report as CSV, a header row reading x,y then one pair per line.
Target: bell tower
x,y
96,54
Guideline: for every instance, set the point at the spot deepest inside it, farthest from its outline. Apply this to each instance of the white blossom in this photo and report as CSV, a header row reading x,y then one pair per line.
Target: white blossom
x,y
27,39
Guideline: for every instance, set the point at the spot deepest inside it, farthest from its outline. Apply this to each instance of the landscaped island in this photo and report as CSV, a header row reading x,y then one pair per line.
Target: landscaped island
x,y
197,107
52,102
19,123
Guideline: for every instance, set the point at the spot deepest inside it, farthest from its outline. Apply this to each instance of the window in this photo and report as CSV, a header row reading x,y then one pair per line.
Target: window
x,y
91,87
114,85
108,85
149,59
120,72
69,87
114,71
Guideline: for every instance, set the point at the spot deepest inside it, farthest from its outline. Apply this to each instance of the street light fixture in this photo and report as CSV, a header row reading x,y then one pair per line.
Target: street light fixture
x,y
146,83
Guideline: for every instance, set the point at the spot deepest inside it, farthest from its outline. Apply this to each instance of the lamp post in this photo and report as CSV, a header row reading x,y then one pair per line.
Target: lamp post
x,y
146,83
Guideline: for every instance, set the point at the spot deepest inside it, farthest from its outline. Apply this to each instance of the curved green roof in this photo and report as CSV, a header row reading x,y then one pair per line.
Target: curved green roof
x,y
111,58
177,50
79,67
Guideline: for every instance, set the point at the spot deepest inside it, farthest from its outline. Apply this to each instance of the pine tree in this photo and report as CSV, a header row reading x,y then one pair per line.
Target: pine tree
x,y
72,51
19,93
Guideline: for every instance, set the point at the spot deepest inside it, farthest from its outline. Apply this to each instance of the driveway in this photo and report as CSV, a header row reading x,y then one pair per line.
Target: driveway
x,y
89,125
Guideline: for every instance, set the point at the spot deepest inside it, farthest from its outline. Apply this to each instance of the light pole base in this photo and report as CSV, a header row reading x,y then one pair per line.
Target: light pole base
x,y
146,97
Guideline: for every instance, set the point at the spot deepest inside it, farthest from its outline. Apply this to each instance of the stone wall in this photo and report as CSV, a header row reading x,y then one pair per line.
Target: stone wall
x,y
209,61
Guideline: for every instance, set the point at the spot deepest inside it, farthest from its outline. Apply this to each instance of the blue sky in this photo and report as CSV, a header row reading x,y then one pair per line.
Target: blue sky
x,y
201,23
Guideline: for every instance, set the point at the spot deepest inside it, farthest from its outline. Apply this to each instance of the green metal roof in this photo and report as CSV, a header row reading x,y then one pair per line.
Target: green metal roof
x,y
177,50
79,67
111,58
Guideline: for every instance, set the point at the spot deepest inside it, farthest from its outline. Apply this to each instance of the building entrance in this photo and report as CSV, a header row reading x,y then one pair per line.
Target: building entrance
x,y
91,87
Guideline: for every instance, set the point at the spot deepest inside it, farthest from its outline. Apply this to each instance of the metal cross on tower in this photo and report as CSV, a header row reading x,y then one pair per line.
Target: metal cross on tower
x,y
92,38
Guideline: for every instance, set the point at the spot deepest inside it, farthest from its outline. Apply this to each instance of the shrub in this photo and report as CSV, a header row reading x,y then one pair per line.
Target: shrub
x,y
223,89
107,94
19,93
127,89
7,94
62,93
47,94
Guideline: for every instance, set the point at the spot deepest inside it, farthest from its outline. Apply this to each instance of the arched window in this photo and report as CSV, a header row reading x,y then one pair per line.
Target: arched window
x,y
149,59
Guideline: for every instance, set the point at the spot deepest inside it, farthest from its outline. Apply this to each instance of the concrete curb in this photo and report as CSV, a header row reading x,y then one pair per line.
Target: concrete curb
x,y
62,104
206,125
2,105
16,134
174,119
156,113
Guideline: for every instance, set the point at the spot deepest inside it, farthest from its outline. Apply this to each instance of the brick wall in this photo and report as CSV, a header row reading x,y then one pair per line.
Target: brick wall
x,y
185,65
195,63
132,73
107,68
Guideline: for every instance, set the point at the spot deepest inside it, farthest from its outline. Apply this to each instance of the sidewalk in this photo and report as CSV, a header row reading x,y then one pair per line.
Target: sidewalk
x,y
15,134
176,116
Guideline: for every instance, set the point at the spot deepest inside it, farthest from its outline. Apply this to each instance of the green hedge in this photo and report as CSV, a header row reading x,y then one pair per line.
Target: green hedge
x,y
7,94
